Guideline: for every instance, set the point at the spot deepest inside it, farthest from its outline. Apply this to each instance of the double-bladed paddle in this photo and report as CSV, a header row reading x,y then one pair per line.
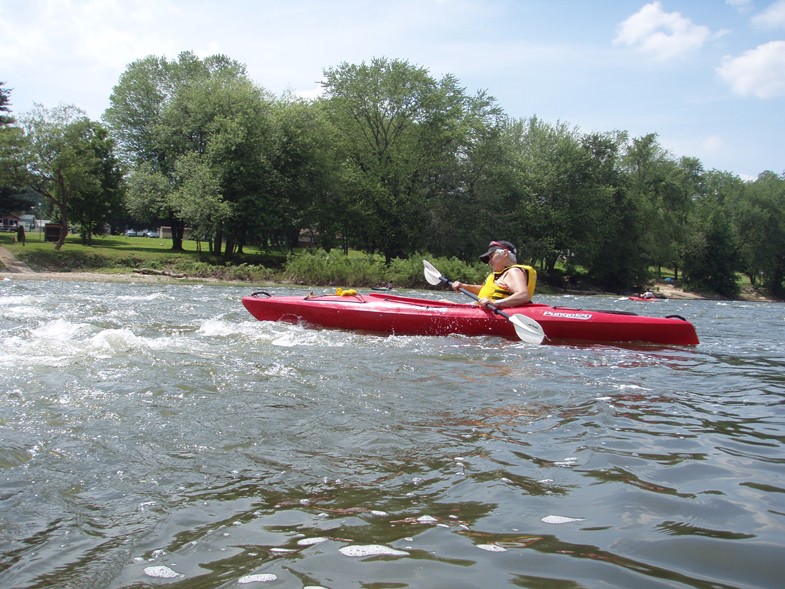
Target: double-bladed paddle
x,y
526,328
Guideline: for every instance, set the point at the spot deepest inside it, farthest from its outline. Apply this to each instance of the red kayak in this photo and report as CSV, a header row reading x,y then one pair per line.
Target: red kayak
x,y
645,299
391,314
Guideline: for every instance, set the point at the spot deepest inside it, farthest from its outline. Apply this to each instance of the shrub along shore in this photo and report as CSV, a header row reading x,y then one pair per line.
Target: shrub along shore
x,y
122,259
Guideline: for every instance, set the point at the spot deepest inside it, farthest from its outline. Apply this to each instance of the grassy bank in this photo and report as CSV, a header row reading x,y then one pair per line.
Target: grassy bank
x,y
120,254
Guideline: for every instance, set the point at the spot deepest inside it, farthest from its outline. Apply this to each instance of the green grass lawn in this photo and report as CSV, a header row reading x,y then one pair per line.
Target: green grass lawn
x,y
118,253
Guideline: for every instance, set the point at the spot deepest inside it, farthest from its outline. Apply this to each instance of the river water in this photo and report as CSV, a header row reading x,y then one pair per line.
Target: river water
x,y
157,435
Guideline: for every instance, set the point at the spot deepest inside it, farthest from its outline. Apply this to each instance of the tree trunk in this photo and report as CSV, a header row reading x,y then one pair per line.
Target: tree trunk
x,y
218,242
63,227
229,251
178,230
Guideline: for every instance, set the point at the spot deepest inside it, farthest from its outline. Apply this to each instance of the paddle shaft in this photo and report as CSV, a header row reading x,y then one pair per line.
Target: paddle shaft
x,y
470,294
526,328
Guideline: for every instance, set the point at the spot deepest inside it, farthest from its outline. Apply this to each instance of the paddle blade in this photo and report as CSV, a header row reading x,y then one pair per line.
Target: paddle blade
x,y
432,275
527,329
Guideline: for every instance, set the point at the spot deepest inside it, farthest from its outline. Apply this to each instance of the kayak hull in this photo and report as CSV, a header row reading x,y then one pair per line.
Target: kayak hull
x,y
398,315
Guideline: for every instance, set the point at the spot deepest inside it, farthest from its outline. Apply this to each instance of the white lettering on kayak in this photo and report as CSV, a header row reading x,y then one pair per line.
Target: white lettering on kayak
x,y
563,315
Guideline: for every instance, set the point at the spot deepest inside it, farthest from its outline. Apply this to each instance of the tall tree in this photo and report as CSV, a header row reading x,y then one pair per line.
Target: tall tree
x,y
711,252
304,193
608,241
143,117
12,159
71,163
473,189
100,198
759,216
400,131
557,196
226,120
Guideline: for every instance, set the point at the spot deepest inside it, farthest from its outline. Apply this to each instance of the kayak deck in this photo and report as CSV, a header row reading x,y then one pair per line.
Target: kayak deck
x,y
401,315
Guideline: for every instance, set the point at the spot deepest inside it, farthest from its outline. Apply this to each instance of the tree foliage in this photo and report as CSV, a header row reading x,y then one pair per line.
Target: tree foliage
x,y
759,217
71,163
392,160
401,138
12,157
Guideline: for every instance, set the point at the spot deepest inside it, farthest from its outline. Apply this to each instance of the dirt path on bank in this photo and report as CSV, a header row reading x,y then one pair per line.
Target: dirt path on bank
x,y
12,265
11,268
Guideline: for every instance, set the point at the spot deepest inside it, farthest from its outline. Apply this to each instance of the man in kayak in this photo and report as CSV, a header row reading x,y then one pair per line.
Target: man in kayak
x,y
509,284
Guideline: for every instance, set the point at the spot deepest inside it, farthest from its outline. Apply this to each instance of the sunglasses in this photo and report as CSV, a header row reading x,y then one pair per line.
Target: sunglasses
x,y
498,246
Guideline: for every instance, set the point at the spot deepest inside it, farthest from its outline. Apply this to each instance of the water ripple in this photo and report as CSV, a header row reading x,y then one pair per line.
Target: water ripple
x,y
160,435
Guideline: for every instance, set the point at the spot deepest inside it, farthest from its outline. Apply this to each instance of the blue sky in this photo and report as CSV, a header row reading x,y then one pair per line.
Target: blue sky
x,y
707,76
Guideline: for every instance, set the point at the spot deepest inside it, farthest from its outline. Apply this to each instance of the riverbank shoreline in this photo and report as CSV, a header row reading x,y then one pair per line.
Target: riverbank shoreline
x,y
12,269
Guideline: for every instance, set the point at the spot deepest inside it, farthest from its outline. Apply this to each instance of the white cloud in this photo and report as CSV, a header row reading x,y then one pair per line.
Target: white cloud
x,y
712,144
110,33
740,5
759,72
664,34
771,18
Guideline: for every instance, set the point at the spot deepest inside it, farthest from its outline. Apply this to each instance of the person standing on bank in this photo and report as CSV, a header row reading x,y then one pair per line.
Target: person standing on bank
x,y
509,284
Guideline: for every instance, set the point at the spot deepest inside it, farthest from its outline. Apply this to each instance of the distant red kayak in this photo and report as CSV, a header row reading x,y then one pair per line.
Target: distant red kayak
x,y
645,299
398,315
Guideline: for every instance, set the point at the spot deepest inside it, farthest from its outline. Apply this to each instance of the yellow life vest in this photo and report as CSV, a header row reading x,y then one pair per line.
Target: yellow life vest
x,y
494,292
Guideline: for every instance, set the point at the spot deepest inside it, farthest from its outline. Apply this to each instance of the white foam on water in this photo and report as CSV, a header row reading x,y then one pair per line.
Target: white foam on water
x,y
17,300
311,541
161,572
108,342
59,330
371,550
560,519
260,578
634,387
491,547
25,312
50,344
297,335
153,296
22,307
277,334
60,342
217,327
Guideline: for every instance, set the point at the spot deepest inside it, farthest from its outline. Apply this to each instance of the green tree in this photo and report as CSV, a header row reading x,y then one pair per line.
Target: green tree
x,y
759,216
226,119
473,189
71,164
711,252
101,194
304,194
558,196
12,158
153,131
400,133
642,209
606,248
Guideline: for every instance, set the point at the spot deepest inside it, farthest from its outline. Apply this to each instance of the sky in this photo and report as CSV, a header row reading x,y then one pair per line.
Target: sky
x,y
707,76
